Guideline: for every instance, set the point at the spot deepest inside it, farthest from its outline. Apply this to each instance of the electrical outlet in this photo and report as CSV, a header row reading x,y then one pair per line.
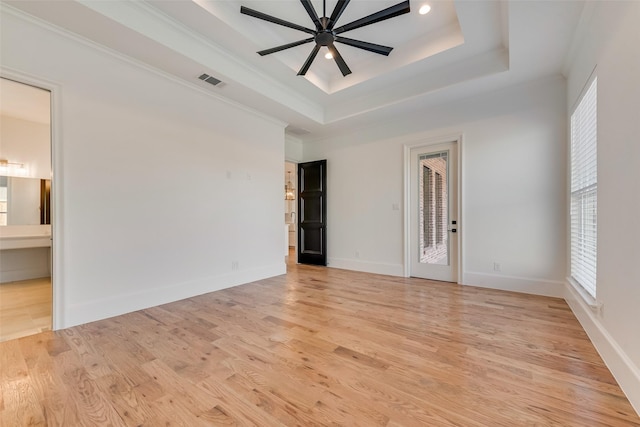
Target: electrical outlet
x,y
235,265
496,267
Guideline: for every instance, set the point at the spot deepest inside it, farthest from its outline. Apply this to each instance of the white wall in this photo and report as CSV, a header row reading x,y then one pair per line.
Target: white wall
x,y
293,149
24,264
27,142
159,187
513,187
611,41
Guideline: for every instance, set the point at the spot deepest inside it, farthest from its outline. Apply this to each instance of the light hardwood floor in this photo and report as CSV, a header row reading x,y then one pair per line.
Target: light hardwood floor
x,y
25,308
320,346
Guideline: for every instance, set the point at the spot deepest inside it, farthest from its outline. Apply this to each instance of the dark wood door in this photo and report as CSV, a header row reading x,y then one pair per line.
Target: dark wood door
x,y
312,213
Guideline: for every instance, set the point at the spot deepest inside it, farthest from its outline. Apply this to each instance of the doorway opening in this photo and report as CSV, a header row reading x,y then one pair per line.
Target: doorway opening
x,y
290,211
26,290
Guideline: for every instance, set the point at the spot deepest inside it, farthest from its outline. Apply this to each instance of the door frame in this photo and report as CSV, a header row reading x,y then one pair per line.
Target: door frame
x,y
456,138
57,273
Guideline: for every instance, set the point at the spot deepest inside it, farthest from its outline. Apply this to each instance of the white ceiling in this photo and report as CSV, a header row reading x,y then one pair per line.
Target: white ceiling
x,y
459,49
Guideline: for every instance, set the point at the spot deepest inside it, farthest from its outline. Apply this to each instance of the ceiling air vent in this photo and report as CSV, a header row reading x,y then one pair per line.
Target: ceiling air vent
x,y
209,79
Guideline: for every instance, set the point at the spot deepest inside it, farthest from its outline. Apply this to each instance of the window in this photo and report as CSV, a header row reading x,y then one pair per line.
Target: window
x,y
427,190
584,191
440,225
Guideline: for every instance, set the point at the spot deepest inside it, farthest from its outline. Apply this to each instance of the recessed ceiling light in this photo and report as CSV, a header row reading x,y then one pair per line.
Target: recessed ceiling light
x,y
424,9
328,55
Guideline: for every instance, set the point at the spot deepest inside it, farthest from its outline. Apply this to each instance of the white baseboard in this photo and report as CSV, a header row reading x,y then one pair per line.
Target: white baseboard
x,y
104,308
366,266
28,274
549,288
621,366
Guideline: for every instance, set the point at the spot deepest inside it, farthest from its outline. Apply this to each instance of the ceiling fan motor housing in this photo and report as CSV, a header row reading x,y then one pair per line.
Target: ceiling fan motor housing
x,y
325,37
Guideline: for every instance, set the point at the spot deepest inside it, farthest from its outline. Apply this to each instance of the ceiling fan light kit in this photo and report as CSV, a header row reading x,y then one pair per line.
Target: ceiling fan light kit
x,y
326,33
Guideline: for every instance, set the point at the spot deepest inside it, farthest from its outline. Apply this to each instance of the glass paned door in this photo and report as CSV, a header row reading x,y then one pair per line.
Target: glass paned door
x,y
433,231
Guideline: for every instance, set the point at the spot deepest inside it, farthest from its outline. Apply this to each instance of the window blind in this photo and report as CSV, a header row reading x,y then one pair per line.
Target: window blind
x,y
584,186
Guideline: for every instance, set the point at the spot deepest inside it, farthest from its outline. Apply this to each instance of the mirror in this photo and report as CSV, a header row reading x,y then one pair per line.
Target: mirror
x,y
24,201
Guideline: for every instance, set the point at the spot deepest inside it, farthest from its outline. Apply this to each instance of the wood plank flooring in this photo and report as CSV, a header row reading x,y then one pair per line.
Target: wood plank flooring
x,y
25,308
319,347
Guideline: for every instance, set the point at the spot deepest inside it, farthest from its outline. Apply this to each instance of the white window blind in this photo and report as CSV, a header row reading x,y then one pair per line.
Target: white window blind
x,y
584,186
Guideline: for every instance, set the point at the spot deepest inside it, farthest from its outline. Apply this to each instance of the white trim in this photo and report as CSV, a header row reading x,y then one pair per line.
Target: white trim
x,y
406,226
366,266
415,141
526,285
622,367
91,311
461,212
57,233
4,8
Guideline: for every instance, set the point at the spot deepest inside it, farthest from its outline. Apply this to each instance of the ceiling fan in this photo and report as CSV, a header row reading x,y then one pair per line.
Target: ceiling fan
x,y
326,32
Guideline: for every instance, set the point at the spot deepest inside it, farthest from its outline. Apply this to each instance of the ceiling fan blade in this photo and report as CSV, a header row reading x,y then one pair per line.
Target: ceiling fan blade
x,y
344,68
312,13
307,63
284,46
274,20
337,11
390,12
371,47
